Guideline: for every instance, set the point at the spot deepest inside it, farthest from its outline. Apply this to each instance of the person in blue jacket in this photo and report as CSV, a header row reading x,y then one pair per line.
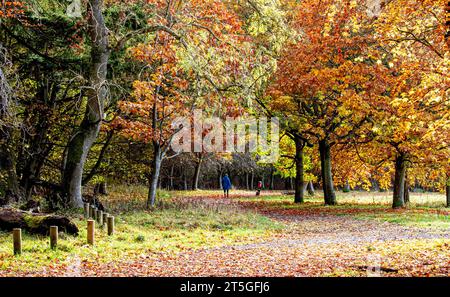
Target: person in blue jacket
x,y
226,185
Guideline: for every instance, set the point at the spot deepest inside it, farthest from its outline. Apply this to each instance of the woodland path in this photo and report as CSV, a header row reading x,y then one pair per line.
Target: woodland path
x,y
312,245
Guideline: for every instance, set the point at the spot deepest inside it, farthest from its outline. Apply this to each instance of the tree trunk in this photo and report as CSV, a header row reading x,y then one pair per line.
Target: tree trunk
x,y
305,186
100,158
447,192
311,188
247,185
271,178
406,189
299,180
81,142
198,166
7,153
447,23
154,177
375,185
34,223
252,180
172,168
327,177
220,179
100,188
185,181
8,165
103,188
346,188
399,182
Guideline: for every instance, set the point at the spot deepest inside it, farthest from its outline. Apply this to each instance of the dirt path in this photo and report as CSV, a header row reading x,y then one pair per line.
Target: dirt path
x,y
313,245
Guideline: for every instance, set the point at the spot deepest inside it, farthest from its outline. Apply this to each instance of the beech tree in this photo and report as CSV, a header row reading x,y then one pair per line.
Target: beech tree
x,y
412,119
325,80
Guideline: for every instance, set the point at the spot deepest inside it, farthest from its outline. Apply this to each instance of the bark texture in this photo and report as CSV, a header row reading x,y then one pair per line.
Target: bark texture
x,y
7,155
81,142
198,166
299,180
154,176
447,192
310,188
406,190
399,182
327,177
34,223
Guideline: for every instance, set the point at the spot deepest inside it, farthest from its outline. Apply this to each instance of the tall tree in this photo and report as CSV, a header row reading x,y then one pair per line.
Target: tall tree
x,y
323,83
97,92
412,122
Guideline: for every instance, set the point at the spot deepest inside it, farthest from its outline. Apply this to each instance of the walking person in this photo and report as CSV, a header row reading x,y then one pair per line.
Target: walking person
x,y
259,188
226,185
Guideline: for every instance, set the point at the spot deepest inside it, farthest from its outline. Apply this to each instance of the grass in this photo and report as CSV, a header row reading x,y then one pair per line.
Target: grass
x,y
425,210
408,218
427,199
171,227
182,221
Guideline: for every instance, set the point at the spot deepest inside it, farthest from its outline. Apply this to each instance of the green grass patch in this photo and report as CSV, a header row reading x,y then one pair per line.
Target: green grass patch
x,y
409,218
426,213
172,227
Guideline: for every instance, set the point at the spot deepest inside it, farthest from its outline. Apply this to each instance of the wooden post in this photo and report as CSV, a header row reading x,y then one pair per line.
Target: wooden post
x,y
100,217
53,236
94,213
17,239
110,225
90,231
86,210
105,218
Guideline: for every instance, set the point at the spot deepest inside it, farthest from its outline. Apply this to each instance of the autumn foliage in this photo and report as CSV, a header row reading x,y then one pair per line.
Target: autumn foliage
x,y
370,82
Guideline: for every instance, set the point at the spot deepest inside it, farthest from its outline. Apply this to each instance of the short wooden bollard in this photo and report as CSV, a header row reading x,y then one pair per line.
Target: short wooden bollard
x,y
100,217
53,237
105,218
90,231
86,210
110,225
17,241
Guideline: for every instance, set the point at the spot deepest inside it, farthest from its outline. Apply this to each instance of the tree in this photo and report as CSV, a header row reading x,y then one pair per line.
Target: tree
x,y
82,140
295,162
323,83
8,10
202,63
7,127
412,122
45,88
174,83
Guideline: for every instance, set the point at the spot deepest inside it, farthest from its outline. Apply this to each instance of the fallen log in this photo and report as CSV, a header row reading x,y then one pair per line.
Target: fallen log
x,y
34,223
